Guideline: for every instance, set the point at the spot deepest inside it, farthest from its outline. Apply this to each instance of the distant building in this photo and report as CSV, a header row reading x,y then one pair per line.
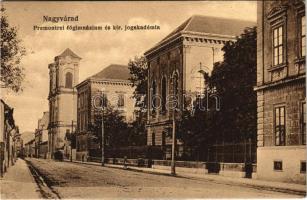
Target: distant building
x,y
29,148
64,76
41,137
175,66
112,84
18,145
281,91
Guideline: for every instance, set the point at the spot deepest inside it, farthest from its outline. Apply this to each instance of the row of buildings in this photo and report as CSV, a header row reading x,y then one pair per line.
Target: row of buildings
x,y
37,146
10,139
174,66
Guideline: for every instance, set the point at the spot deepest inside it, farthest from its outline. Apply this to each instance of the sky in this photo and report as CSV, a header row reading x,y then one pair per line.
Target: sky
x,y
98,49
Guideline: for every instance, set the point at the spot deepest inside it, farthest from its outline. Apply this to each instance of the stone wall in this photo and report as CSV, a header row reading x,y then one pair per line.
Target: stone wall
x,y
291,96
280,85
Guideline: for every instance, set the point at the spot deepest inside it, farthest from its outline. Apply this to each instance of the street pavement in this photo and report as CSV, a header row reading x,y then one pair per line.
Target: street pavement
x,y
74,180
18,183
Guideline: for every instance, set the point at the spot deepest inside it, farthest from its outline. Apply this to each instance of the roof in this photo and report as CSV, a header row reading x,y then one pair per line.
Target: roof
x,y
44,121
114,72
210,25
68,52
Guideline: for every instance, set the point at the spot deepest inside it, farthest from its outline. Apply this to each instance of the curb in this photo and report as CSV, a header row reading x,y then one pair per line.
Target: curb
x,y
43,184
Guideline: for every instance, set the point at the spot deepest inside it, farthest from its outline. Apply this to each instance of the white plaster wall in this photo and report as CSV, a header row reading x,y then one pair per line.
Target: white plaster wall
x,y
67,108
112,91
195,55
291,157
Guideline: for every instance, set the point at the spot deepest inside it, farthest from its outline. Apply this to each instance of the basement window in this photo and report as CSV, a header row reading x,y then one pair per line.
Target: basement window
x,y
303,166
277,165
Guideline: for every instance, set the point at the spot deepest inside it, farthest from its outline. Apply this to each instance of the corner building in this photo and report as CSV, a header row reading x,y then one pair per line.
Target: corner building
x,y
281,91
64,76
111,84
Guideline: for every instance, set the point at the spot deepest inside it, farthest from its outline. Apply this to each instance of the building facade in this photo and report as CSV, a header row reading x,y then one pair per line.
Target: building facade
x,y
29,148
7,134
175,66
111,85
281,91
64,76
41,136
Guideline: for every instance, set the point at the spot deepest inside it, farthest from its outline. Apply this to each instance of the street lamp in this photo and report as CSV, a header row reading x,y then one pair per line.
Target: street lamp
x,y
173,162
101,108
71,138
102,139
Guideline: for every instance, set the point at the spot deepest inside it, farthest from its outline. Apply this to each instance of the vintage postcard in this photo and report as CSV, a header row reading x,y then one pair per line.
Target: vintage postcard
x,y
153,99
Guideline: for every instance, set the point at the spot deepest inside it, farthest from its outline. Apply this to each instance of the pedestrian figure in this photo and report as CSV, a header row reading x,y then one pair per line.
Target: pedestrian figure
x,y
125,162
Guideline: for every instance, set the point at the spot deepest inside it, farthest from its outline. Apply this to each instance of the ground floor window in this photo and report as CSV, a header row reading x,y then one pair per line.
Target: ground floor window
x,y
278,165
153,139
303,123
280,126
303,166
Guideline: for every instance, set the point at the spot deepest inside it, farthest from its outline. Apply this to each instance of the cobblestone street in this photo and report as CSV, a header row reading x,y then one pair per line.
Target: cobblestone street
x,y
73,180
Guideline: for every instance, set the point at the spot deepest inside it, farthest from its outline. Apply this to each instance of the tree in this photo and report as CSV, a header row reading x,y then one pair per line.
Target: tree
x,y
232,81
138,70
116,131
12,73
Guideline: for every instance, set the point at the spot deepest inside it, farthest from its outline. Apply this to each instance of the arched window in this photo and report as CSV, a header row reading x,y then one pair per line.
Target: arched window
x,y
163,138
176,87
153,98
176,84
163,91
68,80
153,138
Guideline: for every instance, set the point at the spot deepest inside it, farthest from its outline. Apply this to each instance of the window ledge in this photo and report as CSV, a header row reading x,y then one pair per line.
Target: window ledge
x,y
300,60
163,112
280,66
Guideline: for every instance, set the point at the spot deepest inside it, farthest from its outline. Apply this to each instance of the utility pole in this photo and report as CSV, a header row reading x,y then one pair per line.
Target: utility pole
x,y
72,131
173,164
102,140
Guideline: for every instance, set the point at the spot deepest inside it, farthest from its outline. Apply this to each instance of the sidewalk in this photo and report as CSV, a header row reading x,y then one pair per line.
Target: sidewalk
x,y
267,185
18,183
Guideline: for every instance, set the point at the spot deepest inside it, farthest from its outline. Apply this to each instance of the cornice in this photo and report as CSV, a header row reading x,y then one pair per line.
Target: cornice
x,y
280,82
205,37
111,81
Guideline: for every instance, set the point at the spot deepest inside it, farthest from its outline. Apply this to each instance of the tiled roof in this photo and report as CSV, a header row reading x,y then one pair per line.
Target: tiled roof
x,y
210,25
68,52
113,71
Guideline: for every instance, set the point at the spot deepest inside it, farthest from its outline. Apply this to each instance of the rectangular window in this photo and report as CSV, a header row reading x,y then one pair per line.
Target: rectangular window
x,y
104,100
121,101
79,99
280,126
303,123
278,54
303,36
278,165
303,166
81,119
153,139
